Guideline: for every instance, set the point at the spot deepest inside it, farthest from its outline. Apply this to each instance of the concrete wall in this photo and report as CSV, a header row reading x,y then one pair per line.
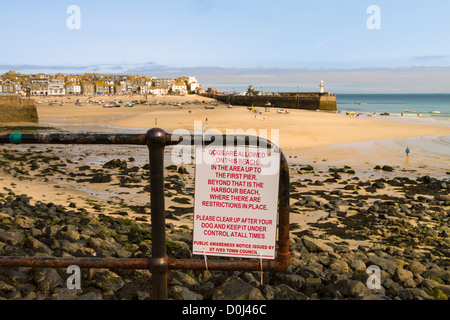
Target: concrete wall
x,y
307,102
14,108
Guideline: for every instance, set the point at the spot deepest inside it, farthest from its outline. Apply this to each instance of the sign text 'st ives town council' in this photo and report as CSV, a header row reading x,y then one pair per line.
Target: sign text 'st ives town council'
x,y
236,202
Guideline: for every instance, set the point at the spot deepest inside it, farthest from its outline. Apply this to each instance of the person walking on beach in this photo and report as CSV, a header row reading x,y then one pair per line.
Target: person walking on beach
x,y
407,151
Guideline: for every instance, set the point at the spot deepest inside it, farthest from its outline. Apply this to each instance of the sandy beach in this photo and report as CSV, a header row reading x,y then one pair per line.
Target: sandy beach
x,y
300,129
308,137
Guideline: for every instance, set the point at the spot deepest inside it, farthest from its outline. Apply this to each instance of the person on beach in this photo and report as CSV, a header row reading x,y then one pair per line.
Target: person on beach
x,y
407,151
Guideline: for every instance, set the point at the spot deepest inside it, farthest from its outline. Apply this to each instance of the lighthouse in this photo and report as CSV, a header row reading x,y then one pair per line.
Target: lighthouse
x,y
321,86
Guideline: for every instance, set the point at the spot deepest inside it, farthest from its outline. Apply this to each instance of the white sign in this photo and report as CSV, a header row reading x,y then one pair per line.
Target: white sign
x,y
236,201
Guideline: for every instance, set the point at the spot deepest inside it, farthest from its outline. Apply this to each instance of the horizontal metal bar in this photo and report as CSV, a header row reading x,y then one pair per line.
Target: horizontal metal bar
x,y
72,138
143,263
56,262
278,265
132,139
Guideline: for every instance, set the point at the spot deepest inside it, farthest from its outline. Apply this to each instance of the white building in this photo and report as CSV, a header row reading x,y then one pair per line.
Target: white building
x,y
193,86
39,87
144,88
159,91
56,87
73,88
179,87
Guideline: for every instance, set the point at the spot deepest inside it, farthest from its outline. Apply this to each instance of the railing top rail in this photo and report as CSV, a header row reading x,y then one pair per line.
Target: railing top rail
x,y
134,139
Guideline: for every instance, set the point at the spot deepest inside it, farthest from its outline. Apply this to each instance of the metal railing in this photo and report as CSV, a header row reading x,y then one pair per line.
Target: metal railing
x,y
159,263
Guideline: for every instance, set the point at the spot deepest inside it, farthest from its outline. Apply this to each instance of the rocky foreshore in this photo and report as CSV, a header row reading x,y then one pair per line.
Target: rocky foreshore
x,y
341,225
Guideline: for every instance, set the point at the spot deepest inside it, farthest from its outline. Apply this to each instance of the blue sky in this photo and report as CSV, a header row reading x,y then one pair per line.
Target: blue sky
x,y
237,42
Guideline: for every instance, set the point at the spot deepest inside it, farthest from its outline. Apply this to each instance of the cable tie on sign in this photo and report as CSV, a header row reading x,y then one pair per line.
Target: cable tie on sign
x,y
261,263
206,259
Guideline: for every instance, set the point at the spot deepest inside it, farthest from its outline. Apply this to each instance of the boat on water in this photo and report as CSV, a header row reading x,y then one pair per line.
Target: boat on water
x,y
384,114
411,111
435,111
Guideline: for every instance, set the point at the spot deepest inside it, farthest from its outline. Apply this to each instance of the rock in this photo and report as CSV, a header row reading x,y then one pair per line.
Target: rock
x,y
64,294
284,292
36,245
442,197
52,230
90,296
444,288
375,296
47,279
183,293
115,163
351,288
357,264
314,245
182,170
70,233
425,179
387,168
313,281
378,185
417,267
100,178
436,273
182,279
16,276
292,280
107,280
6,288
437,294
413,294
386,265
402,275
235,288
24,222
12,236
339,266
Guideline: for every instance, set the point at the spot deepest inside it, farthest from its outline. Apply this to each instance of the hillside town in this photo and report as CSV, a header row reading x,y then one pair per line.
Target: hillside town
x,y
89,84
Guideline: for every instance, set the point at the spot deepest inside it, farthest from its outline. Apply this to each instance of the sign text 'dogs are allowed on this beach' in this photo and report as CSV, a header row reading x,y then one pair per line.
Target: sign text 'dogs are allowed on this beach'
x,y
236,201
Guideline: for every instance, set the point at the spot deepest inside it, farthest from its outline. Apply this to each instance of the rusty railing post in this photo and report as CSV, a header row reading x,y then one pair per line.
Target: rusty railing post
x,y
156,141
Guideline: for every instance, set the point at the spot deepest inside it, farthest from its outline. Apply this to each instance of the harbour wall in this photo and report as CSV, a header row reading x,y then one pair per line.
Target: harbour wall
x,y
312,101
14,108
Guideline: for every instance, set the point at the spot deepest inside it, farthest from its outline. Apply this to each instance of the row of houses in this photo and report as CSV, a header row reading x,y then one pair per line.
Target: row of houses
x,y
95,84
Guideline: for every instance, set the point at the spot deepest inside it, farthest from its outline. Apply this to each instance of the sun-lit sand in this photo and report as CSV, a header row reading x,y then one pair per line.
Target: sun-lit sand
x,y
296,130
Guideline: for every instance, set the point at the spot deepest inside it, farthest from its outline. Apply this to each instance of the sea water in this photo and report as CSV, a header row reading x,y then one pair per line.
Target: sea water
x,y
428,153
413,108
